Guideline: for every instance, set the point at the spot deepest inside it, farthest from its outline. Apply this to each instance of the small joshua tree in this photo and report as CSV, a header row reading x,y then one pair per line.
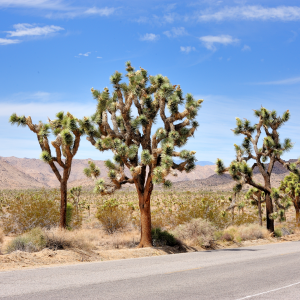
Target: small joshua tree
x,y
67,130
290,187
75,193
271,150
128,136
257,197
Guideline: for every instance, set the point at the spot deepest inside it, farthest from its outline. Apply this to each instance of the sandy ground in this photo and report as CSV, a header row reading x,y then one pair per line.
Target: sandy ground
x,y
23,260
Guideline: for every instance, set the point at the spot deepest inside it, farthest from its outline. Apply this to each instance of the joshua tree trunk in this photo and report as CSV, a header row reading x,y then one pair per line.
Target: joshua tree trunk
x,y
63,207
259,212
269,210
297,209
144,203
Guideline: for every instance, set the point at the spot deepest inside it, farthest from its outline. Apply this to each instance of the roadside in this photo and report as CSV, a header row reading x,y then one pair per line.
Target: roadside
x,y
18,260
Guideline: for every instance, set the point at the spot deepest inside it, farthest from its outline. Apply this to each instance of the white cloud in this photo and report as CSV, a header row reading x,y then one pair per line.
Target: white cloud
x,y
29,30
246,48
99,57
8,41
44,4
106,11
58,8
151,37
209,41
85,54
187,49
174,32
253,12
287,81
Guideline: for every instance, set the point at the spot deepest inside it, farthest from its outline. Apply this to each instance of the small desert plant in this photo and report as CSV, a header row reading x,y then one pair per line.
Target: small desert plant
x,y
197,232
30,210
113,216
32,241
277,232
163,238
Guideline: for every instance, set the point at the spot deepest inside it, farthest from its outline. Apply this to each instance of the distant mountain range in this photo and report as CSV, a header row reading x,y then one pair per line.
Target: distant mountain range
x,y
28,173
22,173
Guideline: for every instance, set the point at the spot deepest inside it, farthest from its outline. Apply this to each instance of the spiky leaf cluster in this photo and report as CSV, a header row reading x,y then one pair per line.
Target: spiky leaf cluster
x,y
129,136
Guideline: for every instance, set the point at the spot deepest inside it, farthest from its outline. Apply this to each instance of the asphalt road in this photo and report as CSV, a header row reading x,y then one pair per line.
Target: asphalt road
x,y
260,272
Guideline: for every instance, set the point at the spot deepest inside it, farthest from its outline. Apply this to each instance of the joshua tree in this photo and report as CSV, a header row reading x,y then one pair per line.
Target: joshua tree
x,y
129,136
68,133
257,197
271,150
75,193
290,186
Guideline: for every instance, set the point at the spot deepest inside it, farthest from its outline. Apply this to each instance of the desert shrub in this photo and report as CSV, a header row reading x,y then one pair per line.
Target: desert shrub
x,y
64,239
30,210
277,232
244,233
231,234
252,232
32,241
197,232
226,236
1,236
163,238
113,216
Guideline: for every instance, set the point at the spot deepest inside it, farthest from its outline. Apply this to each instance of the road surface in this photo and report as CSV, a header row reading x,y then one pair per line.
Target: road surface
x,y
261,272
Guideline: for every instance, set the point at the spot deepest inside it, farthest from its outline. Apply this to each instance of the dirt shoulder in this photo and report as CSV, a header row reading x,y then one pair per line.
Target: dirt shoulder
x,y
23,260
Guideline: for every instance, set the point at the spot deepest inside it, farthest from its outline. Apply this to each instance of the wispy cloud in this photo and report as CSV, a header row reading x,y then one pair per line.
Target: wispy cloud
x,y
30,30
209,41
187,49
175,32
106,11
246,48
252,12
58,8
85,54
43,4
287,81
151,37
8,41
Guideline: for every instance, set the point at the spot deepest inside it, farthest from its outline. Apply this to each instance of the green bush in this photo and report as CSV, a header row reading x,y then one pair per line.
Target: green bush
x,y
277,232
163,238
32,241
113,216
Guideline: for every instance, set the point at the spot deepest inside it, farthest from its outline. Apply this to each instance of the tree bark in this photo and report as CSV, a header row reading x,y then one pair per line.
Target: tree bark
x,y
297,209
144,203
63,205
269,210
259,212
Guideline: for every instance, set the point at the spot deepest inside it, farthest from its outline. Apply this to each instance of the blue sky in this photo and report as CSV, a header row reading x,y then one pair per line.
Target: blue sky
x,y
236,55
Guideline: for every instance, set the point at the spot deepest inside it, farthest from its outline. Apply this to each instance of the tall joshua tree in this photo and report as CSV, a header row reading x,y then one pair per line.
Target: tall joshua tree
x,y
128,136
272,149
67,130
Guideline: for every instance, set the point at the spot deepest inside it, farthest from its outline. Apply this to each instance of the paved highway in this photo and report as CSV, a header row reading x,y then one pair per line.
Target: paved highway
x,y
260,272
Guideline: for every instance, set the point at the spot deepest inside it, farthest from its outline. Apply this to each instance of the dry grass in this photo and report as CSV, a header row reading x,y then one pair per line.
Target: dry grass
x,y
197,232
65,239
244,233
